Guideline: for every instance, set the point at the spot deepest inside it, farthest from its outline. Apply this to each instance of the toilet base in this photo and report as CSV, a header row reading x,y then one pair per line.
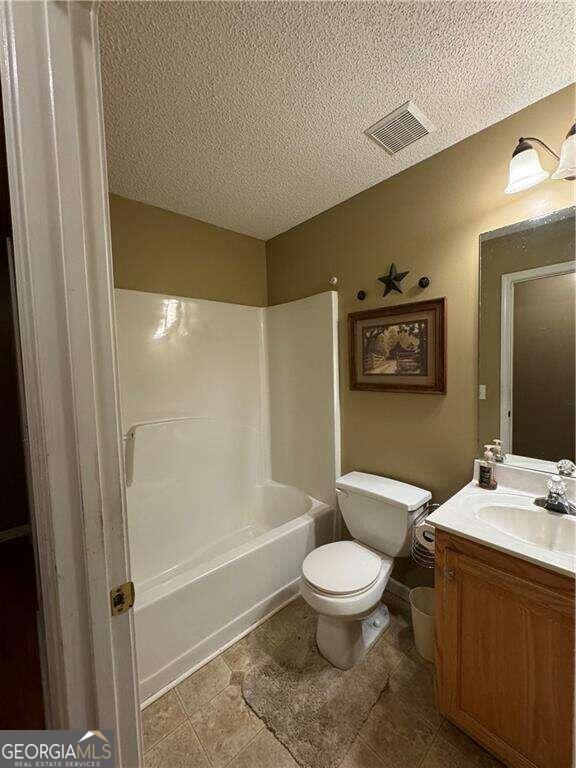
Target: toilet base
x,y
345,642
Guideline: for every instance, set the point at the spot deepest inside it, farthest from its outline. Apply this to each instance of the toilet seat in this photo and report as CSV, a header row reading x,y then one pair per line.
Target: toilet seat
x,y
341,569
346,605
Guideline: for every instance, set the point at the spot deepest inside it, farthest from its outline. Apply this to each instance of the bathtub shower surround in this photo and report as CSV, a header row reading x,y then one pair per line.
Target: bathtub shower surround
x,y
302,344
230,416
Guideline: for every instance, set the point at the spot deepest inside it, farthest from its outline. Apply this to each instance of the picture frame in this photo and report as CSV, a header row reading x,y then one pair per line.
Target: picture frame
x,y
400,348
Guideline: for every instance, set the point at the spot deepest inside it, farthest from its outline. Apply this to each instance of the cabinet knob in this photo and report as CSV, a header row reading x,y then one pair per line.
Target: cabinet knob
x,y
450,574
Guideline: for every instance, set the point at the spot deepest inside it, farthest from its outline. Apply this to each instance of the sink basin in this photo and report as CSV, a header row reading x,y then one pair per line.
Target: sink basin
x,y
534,525
507,519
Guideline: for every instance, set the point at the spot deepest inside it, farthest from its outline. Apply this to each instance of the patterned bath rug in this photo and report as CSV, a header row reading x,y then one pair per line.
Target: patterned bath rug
x,y
314,709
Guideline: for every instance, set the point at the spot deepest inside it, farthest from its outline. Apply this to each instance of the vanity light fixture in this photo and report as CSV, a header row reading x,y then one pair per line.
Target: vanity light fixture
x,y
525,168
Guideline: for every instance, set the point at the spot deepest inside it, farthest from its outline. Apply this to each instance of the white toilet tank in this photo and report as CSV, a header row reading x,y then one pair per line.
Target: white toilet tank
x,y
379,512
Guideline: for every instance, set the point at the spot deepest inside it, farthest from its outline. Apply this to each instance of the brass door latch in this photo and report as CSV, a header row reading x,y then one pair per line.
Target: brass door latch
x,y
122,598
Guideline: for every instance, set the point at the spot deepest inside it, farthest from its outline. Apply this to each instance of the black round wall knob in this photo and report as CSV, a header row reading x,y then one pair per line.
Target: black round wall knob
x,y
424,282
361,295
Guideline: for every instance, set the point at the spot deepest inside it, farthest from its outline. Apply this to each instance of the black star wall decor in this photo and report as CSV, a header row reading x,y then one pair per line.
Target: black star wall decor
x,y
392,280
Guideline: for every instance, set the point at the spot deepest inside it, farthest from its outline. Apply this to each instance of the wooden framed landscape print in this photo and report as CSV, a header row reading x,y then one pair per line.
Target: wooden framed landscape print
x,y
399,349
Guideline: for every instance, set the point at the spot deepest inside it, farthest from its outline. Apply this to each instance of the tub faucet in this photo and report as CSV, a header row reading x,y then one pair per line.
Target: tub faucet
x,y
556,501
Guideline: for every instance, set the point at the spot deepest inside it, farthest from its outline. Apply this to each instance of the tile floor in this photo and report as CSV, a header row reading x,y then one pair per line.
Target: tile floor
x,y
205,723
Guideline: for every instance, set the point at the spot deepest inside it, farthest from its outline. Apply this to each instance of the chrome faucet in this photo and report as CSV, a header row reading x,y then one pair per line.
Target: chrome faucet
x,y
566,467
556,501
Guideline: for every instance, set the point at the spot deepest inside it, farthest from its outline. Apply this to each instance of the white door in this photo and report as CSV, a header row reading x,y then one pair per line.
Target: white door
x,y
51,95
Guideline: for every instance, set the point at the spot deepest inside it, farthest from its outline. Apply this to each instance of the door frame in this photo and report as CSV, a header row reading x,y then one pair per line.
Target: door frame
x,y
52,102
509,281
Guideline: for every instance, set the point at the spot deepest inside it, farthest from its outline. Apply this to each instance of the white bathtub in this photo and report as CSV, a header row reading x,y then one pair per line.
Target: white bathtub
x,y
190,612
216,400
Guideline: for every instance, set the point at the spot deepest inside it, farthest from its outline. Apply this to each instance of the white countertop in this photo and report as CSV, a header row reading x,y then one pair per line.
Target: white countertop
x,y
458,515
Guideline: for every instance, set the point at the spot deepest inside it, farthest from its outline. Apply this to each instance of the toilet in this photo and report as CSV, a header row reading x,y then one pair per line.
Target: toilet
x,y
344,581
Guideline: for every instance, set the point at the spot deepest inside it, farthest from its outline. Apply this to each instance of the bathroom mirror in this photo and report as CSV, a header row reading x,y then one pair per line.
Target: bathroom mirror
x,y
526,345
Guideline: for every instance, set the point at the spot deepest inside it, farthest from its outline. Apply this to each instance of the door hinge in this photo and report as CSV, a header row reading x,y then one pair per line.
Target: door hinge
x,y
122,598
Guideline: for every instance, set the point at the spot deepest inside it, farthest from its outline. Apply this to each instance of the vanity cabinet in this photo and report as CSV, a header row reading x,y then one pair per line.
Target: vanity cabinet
x,y
505,653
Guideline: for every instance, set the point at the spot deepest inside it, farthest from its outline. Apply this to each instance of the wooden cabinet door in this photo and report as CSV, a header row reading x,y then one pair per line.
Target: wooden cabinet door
x,y
506,661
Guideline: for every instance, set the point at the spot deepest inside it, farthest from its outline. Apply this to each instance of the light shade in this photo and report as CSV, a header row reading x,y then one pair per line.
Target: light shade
x,y
525,169
567,165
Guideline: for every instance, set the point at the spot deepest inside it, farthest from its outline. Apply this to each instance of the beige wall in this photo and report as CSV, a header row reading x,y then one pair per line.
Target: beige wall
x,y
163,252
428,220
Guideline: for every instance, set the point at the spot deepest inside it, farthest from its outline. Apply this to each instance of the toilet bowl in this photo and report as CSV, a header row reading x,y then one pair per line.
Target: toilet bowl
x,y
344,581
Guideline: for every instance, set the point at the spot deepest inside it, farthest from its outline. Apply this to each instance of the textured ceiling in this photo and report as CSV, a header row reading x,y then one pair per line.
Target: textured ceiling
x,y
251,115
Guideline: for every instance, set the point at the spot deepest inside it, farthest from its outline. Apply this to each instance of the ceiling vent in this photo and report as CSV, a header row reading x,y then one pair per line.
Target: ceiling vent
x,y
400,128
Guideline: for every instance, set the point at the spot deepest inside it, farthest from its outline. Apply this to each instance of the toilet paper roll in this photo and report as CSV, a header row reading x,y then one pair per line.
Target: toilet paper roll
x,y
426,536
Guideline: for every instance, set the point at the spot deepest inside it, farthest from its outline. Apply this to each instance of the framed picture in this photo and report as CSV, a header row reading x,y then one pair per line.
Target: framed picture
x,y
399,349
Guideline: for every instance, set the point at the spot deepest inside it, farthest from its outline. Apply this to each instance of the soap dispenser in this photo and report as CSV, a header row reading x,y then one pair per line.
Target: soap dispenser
x,y
497,451
486,478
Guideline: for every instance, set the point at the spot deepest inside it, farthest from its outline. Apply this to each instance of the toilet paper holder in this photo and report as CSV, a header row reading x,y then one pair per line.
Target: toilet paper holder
x,y
423,546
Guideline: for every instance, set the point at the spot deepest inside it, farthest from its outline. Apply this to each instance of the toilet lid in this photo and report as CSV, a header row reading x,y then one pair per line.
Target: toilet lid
x,y
342,567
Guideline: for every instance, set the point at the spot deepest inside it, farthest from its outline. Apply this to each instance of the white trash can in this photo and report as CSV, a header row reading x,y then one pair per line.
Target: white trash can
x,y
423,606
